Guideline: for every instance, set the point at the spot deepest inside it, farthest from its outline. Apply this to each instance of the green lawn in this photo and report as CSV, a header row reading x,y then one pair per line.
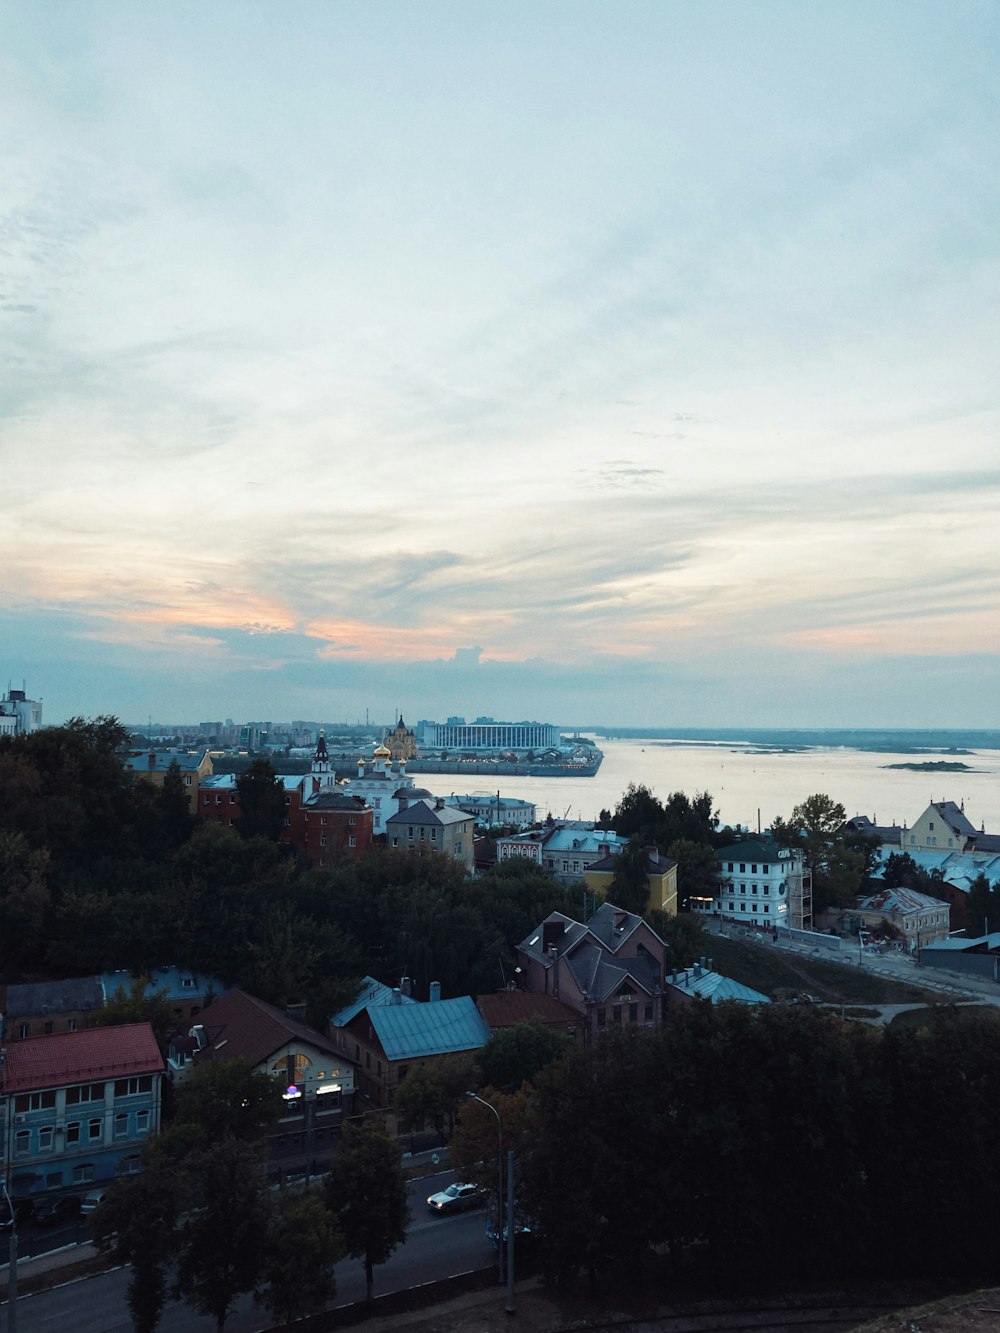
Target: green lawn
x,y
966,1013
770,970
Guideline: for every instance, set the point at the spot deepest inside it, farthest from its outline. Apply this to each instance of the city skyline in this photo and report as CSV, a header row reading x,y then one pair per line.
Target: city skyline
x,y
622,363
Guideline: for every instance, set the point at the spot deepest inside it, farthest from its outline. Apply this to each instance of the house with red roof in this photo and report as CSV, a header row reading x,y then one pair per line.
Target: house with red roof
x,y
78,1107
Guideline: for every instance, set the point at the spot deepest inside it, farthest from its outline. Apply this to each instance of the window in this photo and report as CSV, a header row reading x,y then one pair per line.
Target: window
x,y
753,888
83,1174
24,1030
765,890
45,1137
753,868
729,867
121,1125
743,907
73,1132
34,1101
128,1166
930,824
633,1013
128,1087
352,840
22,1142
767,907
352,819
648,1012
743,867
142,1122
600,1018
765,870
71,1025
616,1013
95,1129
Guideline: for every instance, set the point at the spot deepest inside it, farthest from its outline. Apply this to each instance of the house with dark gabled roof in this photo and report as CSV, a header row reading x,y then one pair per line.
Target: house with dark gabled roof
x,y
317,1082
661,879
943,826
609,970
430,825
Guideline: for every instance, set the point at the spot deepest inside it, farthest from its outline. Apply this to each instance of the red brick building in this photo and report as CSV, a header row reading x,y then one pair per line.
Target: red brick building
x,y
320,821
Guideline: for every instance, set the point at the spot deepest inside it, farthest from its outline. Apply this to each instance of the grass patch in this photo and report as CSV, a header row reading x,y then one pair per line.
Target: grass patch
x,y
970,1014
768,969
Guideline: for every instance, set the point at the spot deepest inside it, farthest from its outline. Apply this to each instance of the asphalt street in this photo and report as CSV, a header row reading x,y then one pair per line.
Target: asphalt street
x,y
435,1247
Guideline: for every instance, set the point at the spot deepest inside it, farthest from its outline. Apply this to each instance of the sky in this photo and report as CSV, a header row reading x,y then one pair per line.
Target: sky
x,y
591,362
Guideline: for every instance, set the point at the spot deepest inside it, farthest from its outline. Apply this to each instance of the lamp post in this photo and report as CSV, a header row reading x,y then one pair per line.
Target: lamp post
x,y
476,1098
12,1269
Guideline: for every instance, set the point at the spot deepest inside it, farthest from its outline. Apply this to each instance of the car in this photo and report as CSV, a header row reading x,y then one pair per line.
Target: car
x,y
61,1208
23,1211
455,1199
92,1200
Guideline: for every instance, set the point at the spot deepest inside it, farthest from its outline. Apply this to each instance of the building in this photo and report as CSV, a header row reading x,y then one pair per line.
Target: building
x,y
401,743
661,880
487,734
153,766
331,826
322,821
387,1039
19,715
563,848
186,992
317,1081
382,785
702,982
610,970
430,825
496,810
919,918
761,884
507,1008
77,1108
944,826
44,1008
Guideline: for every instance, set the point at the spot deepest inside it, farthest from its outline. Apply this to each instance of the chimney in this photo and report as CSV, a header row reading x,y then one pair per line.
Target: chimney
x,y
397,995
435,991
296,1011
198,1032
439,803
406,986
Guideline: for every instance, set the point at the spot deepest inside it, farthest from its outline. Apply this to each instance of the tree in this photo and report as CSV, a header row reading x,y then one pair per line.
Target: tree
x,y
638,813
229,1099
136,1006
435,1091
366,1193
262,802
24,899
135,1222
518,1054
222,1237
697,871
629,888
302,1246
832,855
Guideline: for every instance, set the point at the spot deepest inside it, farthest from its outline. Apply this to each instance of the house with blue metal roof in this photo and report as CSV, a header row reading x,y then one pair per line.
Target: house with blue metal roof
x,y
386,1039
703,983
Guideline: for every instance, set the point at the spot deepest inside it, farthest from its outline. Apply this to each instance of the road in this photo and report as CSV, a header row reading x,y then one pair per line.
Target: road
x,y
435,1247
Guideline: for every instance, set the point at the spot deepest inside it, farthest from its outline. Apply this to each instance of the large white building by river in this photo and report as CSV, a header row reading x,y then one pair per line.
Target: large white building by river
x,y
486,734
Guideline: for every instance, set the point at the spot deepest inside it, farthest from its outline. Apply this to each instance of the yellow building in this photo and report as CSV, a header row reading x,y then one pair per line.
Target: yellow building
x,y
401,743
154,767
661,878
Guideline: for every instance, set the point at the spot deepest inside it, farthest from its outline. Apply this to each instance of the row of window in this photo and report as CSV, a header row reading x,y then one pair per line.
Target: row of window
x,y
766,907
44,1135
633,1014
765,868
81,1092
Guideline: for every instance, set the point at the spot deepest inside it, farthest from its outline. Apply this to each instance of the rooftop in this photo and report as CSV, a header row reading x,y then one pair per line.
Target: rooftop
x,y
240,1026
80,1057
440,1027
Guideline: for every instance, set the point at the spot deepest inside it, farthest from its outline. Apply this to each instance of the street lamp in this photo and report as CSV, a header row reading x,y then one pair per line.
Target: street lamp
x,y
12,1261
482,1100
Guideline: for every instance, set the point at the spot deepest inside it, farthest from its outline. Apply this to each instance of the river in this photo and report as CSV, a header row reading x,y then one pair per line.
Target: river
x,y
743,781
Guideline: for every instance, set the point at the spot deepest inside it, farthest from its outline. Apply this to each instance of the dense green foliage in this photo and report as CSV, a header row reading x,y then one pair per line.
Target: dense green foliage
x,y
838,857
752,1131
100,870
366,1195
